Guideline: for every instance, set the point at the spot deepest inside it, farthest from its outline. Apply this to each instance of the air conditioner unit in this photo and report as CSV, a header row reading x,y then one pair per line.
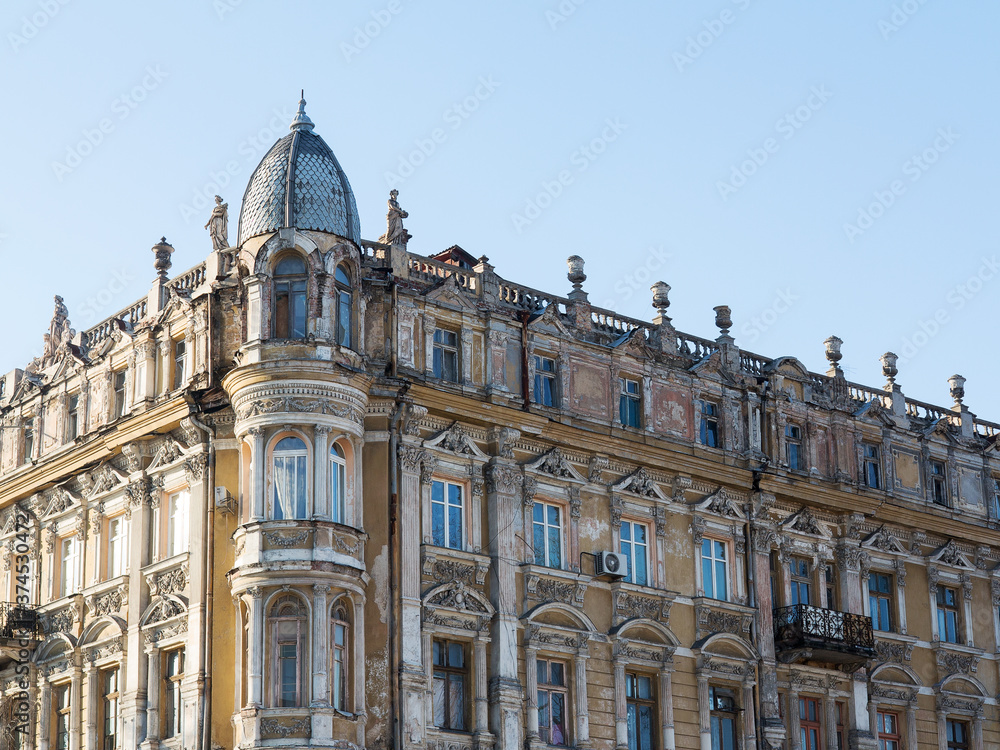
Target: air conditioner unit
x,y
612,564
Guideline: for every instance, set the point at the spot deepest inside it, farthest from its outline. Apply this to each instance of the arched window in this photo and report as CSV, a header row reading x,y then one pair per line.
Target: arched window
x,y
339,636
288,626
290,298
343,283
288,471
338,484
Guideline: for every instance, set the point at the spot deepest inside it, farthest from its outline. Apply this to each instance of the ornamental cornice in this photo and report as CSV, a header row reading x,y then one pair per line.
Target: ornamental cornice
x,y
294,397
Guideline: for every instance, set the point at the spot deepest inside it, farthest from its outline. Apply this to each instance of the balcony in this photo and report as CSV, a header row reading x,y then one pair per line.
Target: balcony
x,y
804,633
20,631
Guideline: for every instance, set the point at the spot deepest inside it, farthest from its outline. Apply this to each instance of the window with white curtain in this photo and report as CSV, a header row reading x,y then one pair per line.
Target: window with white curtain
x,y
288,468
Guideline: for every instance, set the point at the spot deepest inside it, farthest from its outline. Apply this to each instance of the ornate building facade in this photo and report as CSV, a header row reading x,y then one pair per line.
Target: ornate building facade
x,y
325,492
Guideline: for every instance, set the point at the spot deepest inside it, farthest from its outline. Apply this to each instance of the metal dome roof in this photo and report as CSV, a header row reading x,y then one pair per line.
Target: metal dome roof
x,y
299,183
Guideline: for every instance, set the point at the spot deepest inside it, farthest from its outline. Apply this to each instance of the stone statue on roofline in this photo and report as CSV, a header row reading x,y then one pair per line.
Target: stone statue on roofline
x,y
395,233
218,225
56,341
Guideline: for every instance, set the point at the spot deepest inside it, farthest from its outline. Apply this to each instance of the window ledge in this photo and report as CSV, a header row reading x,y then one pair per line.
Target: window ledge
x,y
957,648
165,563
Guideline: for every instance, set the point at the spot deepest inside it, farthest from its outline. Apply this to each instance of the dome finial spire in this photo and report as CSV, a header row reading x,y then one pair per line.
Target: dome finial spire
x,y
302,121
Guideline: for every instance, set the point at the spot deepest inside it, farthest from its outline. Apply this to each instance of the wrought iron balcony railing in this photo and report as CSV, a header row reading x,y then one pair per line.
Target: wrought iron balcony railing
x,y
19,621
823,634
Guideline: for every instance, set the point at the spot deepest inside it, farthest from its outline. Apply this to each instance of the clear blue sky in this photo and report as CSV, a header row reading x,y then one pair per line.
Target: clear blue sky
x,y
727,148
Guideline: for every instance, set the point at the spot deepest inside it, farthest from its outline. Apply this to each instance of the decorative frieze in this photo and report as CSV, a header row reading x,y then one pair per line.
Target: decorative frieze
x,y
503,479
629,606
172,581
954,662
286,539
720,620
286,728
550,590
444,570
893,651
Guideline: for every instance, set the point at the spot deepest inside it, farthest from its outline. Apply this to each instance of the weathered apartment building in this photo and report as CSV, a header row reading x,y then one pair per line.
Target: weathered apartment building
x,y
325,492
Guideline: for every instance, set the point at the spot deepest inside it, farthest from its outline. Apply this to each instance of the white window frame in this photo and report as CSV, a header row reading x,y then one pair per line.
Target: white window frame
x,y
117,547
173,721
445,505
727,561
631,555
294,453
69,565
180,363
636,397
447,348
177,522
543,374
338,483
546,526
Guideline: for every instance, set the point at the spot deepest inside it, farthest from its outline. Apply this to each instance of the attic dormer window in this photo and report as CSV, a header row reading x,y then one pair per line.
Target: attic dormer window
x,y
290,298
344,327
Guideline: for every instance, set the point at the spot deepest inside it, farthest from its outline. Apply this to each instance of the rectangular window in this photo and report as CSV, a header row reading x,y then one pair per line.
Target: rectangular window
x,y
177,523
880,601
450,680
343,316
888,731
117,547
547,534
798,569
840,708
709,425
180,362
810,728
118,385
715,569
635,547
873,466
552,702
947,614
939,483
446,355
447,515
110,710
958,735
61,703
173,705
722,719
69,568
290,309
830,579
339,659
288,464
629,402
29,443
995,500
288,661
793,446
640,712
73,417
545,381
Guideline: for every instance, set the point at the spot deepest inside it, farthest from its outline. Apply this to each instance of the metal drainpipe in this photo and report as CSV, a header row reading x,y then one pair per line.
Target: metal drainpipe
x,y
205,715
